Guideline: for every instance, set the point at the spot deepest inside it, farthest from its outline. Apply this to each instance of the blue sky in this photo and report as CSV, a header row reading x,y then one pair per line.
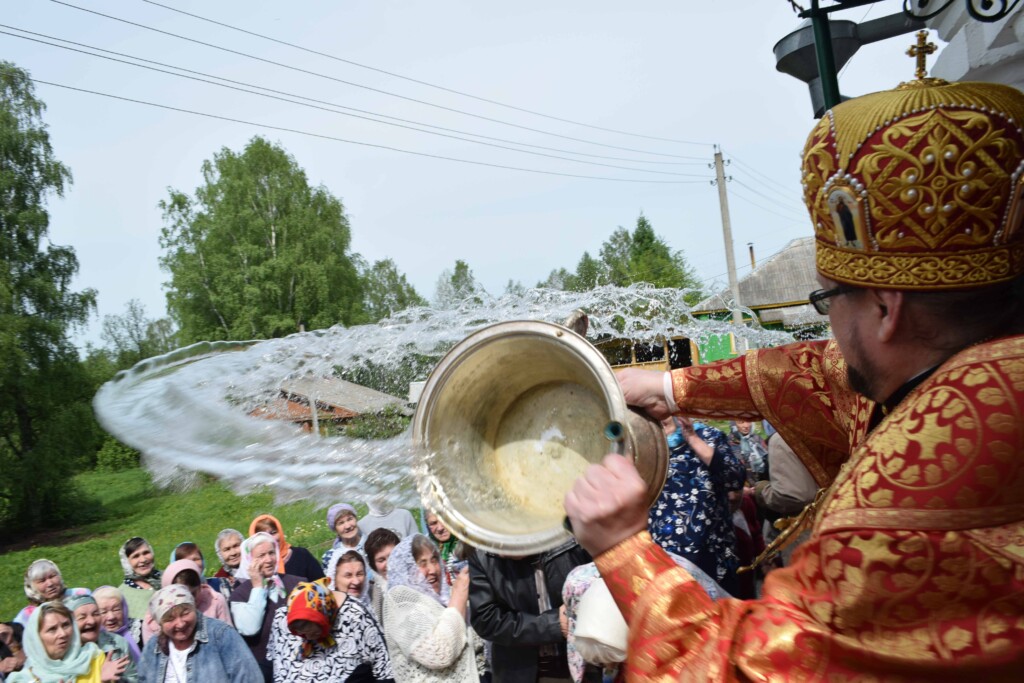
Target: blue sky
x,y
699,72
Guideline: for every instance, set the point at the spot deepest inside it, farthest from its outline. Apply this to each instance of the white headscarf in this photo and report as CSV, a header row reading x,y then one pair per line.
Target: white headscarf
x,y
403,571
227,533
276,586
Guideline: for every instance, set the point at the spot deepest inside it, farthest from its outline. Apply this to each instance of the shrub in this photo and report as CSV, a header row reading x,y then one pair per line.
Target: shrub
x,y
114,456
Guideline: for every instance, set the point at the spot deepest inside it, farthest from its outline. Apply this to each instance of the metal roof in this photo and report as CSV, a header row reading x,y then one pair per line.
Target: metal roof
x,y
776,289
342,394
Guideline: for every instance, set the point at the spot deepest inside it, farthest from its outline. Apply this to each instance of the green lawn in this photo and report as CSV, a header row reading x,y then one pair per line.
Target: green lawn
x,y
131,506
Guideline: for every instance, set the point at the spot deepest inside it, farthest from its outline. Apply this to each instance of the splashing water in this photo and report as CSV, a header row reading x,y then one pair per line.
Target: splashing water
x,y
191,410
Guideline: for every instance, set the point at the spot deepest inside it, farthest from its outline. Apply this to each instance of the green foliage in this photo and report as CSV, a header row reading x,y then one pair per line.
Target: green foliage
x,y
45,421
391,378
114,456
257,252
132,337
387,291
383,425
122,504
627,258
455,286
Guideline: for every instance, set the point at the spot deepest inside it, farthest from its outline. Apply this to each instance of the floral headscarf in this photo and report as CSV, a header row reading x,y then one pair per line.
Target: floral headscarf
x,y
130,577
125,631
216,545
275,587
39,666
282,545
167,597
403,571
313,601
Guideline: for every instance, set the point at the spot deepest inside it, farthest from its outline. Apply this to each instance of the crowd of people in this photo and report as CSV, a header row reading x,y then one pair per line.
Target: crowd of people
x,y
388,600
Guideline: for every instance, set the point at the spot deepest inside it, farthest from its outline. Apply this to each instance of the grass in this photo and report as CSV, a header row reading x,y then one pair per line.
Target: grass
x,y
130,505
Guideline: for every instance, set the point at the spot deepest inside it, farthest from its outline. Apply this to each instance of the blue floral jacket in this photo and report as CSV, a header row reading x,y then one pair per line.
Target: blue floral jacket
x,y
691,517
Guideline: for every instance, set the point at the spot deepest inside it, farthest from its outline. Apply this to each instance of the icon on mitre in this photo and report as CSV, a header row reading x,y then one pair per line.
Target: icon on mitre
x,y
847,218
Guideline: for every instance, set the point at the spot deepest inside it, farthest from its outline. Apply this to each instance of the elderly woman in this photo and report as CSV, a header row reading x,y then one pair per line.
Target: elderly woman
x,y
260,591
43,583
55,653
319,639
229,551
191,648
114,618
342,520
87,617
208,601
350,578
141,576
425,620
294,560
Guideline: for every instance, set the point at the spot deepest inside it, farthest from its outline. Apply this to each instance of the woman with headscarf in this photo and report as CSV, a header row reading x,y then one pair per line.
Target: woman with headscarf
x,y
229,551
192,648
425,619
294,560
342,520
86,613
55,653
260,591
141,576
114,618
208,601
43,583
445,541
319,639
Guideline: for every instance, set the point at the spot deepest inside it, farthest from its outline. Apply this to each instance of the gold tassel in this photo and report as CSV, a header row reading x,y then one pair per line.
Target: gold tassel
x,y
790,528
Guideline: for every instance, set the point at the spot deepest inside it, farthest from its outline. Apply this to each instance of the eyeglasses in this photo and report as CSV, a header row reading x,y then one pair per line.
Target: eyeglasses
x,y
821,298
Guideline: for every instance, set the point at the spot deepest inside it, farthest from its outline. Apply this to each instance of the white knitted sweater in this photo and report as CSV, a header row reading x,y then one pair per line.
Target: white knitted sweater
x,y
427,642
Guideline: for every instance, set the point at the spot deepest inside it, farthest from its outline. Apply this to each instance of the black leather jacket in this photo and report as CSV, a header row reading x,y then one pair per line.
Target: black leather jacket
x,y
504,607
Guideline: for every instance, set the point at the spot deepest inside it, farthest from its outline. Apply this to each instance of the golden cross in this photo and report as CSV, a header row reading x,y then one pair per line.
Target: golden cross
x,y
921,51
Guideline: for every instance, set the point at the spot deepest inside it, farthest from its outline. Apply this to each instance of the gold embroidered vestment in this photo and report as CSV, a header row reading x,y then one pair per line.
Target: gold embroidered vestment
x,y
914,570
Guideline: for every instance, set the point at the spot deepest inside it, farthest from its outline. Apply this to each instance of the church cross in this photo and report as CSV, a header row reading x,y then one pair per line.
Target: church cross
x,y
921,51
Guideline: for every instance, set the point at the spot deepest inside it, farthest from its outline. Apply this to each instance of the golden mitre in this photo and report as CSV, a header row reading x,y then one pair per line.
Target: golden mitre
x,y
919,188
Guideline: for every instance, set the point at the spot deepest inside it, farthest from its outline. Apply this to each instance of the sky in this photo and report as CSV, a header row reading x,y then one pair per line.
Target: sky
x,y
658,81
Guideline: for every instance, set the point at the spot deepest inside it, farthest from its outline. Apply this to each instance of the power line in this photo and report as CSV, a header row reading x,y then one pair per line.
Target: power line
x,y
419,82
747,266
370,88
765,176
333,104
763,208
333,111
763,195
358,142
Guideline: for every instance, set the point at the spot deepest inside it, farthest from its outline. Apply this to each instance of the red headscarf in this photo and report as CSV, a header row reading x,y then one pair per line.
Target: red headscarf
x,y
314,602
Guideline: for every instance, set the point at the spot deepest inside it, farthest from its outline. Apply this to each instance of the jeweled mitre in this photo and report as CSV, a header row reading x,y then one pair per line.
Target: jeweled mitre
x,y
919,188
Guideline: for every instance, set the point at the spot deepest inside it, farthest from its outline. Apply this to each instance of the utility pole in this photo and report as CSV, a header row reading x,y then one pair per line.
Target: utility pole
x,y
730,260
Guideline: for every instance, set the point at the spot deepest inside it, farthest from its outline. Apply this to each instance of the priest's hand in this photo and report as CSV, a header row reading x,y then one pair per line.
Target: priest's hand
x,y
645,389
607,504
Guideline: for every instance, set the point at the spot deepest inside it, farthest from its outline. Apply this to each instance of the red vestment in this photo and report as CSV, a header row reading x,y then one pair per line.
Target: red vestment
x,y
914,570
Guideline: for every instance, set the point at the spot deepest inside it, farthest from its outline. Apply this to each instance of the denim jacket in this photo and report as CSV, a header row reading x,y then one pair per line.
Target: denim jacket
x,y
220,656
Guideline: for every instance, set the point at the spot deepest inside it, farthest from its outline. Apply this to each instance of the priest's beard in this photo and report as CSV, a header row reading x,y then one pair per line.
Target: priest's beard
x,y
861,372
